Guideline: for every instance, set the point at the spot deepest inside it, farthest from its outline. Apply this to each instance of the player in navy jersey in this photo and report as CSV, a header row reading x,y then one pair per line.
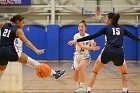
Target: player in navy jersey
x,y
113,49
8,52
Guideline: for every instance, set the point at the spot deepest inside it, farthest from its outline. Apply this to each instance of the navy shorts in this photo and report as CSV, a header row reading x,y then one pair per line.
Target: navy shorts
x,y
8,53
114,54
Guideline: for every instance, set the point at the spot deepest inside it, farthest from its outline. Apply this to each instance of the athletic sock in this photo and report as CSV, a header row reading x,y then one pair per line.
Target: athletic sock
x,y
82,85
52,72
31,62
88,89
125,89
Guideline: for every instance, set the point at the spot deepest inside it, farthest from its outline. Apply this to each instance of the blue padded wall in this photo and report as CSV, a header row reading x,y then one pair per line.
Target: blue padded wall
x,y
55,40
138,45
130,46
66,34
52,43
37,35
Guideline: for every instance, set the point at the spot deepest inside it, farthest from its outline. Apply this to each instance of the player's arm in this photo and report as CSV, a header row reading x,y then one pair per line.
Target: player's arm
x,y
130,35
81,45
93,45
90,37
1,24
22,37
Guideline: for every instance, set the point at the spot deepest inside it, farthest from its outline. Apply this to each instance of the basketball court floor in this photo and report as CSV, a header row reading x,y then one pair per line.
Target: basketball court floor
x,y
22,79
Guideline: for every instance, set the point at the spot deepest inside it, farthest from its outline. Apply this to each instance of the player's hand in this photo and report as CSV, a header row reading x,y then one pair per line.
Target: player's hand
x,y
41,51
93,43
95,48
72,42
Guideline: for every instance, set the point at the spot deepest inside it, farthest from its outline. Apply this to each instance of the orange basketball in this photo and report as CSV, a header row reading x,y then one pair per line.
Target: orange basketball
x,y
43,71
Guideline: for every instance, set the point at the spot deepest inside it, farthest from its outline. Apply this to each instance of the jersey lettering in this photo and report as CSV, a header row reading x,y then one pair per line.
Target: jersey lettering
x,y
84,43
6,33
116,31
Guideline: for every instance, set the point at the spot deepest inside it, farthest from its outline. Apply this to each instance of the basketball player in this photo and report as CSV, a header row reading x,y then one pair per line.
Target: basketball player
x,y
8,52
113,49
82,56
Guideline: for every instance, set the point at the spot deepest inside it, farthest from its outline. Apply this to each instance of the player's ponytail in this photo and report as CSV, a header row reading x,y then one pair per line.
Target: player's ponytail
x,y
83,21
11,19
115,19
110,15
16,17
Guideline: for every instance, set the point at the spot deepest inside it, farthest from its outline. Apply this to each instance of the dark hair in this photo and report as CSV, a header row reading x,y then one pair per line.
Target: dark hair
x,y
16,17
114,18
84,22
110,15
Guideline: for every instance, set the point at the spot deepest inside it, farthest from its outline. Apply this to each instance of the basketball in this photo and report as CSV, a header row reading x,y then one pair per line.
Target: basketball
x,y
43,71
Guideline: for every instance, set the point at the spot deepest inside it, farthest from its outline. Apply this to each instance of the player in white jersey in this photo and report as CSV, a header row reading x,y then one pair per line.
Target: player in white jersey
x,y
82,56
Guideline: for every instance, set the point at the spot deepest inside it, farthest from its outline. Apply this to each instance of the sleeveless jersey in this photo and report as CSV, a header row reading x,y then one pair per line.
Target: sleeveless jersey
x,y
79,50
8,34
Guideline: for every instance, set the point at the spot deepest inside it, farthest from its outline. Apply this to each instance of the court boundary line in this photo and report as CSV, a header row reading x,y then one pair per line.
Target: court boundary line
x,y
138,61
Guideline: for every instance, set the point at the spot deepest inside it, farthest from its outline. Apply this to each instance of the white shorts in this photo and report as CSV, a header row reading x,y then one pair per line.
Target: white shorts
x,y
78,58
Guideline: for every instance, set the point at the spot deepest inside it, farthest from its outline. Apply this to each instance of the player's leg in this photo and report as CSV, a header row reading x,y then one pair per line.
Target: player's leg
x,y
2,70
24,59
83,64
120,65
81,71
3,62
75,70
101,61
96,68
76,78
123,71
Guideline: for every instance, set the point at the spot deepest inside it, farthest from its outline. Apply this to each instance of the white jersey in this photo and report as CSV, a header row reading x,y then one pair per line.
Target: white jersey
x,y
79,50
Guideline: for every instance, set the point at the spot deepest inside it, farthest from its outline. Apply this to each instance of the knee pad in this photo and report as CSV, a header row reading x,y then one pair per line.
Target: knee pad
x,y
94,72
124,77
124,73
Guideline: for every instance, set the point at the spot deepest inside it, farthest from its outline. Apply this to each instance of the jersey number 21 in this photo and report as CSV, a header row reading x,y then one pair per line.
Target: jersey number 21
x,y
6,33
116,31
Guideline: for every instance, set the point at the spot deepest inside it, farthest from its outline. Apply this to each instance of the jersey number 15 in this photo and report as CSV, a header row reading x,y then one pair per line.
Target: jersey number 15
x,y
116,31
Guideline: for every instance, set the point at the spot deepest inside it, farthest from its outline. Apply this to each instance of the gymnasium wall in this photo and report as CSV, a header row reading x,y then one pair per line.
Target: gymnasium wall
x,y
36,34
138,47
54,40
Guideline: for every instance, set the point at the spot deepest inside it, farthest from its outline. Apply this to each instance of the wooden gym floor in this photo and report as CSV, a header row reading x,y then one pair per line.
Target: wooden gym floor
x,y
22,79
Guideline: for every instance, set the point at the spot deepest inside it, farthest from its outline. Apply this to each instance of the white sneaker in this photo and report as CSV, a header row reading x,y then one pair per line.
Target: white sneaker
x,y
80,90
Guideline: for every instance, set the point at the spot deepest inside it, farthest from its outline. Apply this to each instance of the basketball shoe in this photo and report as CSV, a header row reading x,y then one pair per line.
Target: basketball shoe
x,y
125,92
59,73
88,92
80,88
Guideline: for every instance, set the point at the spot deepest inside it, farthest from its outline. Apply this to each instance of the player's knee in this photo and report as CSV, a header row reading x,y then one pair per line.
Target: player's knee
x,y
80,67
94,72
3,68
124,76
23,58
